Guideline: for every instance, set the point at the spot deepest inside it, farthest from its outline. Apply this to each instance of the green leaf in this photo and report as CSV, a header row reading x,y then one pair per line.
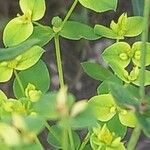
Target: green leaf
x,y
120,71
45,107
102,106
103,88
34,124
117,53
96,71
37,8
37,75
106,32
55,137
123,97
16,31
136,50
82,120
13,52
144,123
5,73
99,5
147,79
134,26
133,89
44,34
128,119
76,31
129,27
29,58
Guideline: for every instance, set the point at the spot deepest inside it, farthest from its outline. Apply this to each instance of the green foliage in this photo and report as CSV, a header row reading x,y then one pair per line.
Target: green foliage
x,y
37,8
125,27
102,138
99,5
123,96
120,55
105,109
75,31
55,137
106,116
33,75
32,11
96,71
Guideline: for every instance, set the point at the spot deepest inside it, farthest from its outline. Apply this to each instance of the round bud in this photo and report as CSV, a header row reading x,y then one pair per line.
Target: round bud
x,y
56,21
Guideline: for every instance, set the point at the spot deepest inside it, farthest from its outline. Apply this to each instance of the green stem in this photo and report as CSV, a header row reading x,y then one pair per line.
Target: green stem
x,y
69,13
137,131
19,82
39,143
59,62
143,48
71,139
85,141
38,24
65,139
134,138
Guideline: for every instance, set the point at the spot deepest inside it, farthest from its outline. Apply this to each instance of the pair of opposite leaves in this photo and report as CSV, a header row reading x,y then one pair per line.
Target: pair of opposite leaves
x,y
17,31
120,55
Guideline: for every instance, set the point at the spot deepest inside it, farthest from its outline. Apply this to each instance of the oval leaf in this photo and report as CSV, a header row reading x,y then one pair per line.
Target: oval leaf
x,y
134,26
96,71
76,31
102,105
16,31
99,5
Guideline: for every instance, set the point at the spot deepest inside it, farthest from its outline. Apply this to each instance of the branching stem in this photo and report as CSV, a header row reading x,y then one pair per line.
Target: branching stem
x,y
19,82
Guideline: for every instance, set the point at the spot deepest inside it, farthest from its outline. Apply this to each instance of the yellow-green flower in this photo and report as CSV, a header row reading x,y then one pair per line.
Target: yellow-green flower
x,y
105,109
21,62
103,139
32,93
21,27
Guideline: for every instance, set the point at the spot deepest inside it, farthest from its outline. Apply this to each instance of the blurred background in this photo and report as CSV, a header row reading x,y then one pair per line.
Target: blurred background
x,y
73,52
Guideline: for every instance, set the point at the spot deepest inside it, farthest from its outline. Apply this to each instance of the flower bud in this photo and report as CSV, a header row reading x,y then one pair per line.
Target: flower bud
x,y
61,101
78,108
33,94
56,23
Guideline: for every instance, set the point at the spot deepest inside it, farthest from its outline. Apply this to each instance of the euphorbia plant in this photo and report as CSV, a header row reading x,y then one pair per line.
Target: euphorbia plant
x,y
120,101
